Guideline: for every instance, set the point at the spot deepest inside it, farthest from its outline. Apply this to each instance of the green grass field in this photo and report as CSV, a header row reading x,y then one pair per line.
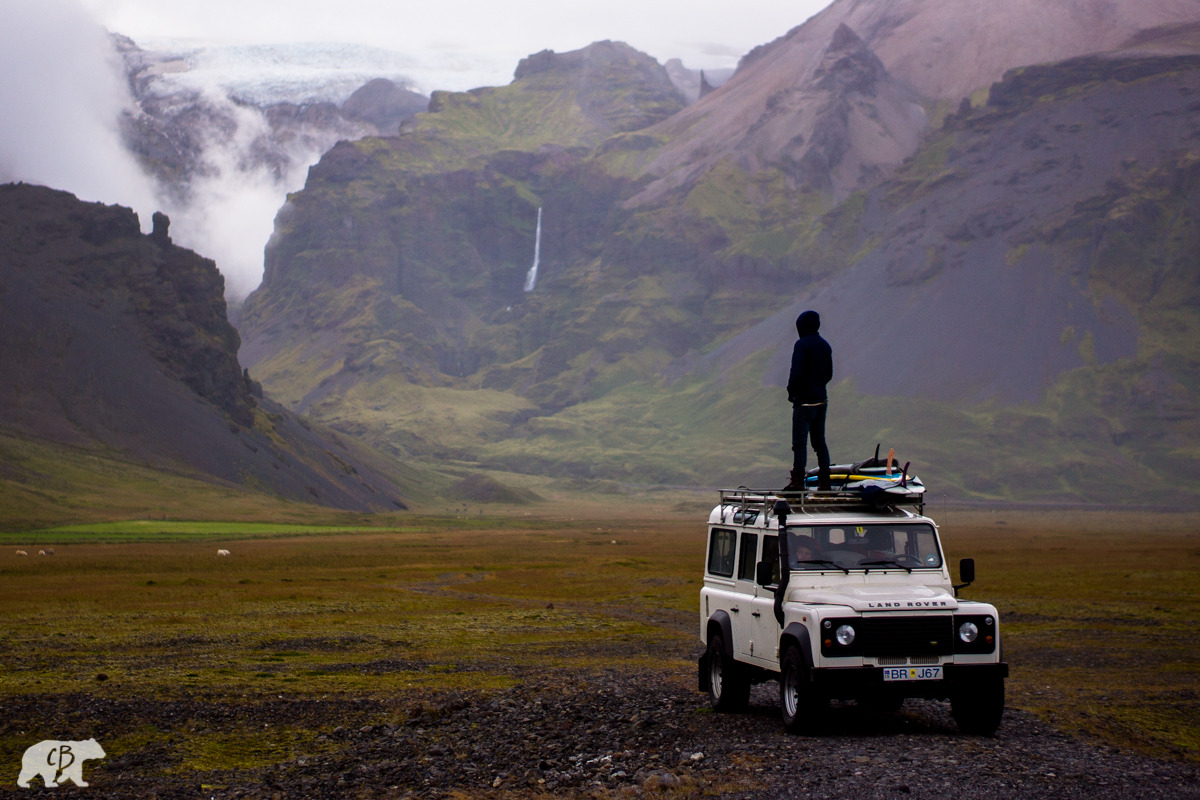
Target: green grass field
x,y
1099,612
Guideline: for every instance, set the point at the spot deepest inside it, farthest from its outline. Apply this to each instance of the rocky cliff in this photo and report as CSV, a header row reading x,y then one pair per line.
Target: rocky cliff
x,y
119,341
433,231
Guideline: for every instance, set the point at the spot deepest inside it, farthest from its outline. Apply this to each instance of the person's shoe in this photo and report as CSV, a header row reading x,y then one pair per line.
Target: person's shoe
x,y
823,481
795,482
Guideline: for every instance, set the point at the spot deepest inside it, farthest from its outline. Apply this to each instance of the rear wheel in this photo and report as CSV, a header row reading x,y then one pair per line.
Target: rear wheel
x,y
802,706
978,708
728,686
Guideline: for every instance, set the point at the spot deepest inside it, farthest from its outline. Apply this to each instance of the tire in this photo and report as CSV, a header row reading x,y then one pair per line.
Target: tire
x,y
728,686
978,708
803,708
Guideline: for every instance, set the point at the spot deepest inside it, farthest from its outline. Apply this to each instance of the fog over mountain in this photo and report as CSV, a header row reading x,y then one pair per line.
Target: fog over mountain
x,y
214,137
226,133
61,97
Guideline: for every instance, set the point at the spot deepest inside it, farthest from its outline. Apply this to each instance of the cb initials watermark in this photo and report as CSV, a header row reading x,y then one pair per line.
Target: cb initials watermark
x,y
58,761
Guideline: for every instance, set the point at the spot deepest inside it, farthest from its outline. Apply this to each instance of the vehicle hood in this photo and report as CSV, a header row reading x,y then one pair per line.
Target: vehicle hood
x,y
884,597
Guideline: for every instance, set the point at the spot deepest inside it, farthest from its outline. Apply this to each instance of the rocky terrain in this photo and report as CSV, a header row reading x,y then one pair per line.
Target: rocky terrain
x,y
597,734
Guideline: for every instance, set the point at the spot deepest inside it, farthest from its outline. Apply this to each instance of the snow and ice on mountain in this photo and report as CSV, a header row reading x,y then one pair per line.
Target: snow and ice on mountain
x,y
306,72
266,74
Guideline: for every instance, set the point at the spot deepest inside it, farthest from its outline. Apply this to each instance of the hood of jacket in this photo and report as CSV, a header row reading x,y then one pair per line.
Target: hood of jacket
x,y
808,323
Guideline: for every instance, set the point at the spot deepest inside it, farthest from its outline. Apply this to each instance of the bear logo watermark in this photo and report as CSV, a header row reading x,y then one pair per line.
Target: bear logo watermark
x,y
58,761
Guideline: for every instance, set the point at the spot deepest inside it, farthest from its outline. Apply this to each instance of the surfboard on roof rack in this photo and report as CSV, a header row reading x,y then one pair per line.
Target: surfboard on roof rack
x,y
878,481
872,482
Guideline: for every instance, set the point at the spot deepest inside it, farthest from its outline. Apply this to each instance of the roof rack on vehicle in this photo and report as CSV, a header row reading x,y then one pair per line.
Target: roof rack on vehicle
x,y
764,499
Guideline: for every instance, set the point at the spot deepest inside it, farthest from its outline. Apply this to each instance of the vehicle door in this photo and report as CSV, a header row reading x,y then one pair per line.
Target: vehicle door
x,y
744,588
720,581
765,636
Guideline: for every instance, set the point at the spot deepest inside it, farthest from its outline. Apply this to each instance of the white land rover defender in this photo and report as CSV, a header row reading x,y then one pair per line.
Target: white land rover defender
x,y
840,599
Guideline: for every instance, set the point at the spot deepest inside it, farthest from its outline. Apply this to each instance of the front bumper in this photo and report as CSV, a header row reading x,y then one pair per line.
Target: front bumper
x,y
846,682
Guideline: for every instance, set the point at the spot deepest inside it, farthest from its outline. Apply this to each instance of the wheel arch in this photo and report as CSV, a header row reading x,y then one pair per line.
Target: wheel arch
x,y
721,623
796,635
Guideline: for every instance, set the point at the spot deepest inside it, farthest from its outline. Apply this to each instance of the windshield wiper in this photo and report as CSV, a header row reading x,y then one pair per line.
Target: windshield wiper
x,y
885,564
833,564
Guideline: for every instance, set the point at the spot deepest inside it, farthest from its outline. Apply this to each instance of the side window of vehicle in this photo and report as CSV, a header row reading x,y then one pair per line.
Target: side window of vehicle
x,y
771,553
722,546
922,545
748,556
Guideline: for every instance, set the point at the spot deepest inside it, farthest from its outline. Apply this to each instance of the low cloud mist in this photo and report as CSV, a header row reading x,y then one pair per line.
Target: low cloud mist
x,y
227,210
62,92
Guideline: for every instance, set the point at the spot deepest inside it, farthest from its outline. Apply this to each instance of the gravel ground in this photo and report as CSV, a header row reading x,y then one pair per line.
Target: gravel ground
x,y
602,735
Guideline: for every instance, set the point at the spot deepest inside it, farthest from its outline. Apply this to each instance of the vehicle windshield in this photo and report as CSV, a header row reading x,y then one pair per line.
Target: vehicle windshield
x,y
870,547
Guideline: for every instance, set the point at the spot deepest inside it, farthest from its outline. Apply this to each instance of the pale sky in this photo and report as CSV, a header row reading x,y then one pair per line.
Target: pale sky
x,y
704,33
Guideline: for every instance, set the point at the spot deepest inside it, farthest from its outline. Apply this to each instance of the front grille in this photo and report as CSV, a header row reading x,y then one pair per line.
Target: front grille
x,y
904,661
907,636
916,660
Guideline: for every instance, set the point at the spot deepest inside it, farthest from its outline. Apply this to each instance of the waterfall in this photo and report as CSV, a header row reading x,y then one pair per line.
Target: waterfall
x,y
531,277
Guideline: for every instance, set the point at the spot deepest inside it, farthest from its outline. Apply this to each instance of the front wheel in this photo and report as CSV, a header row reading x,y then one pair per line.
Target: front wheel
x,y
728,686
802,705
978,707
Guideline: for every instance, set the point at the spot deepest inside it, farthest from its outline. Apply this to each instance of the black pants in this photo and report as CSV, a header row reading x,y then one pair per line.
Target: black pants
x,y
808,422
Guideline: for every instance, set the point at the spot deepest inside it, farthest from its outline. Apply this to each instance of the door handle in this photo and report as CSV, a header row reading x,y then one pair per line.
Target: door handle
x,y
755,614
734,609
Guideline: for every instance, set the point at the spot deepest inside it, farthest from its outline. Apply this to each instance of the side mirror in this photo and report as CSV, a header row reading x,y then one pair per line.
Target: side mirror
x,y
966,573
762,573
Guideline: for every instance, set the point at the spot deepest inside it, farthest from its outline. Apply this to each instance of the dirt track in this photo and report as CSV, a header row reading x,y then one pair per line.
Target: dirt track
x,y
601,735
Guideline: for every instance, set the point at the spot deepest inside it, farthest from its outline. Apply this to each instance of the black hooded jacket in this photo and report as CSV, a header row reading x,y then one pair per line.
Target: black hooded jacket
x,y
812,362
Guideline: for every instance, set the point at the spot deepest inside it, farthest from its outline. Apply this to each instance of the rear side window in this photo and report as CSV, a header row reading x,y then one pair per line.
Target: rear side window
x,y
748,557
722,545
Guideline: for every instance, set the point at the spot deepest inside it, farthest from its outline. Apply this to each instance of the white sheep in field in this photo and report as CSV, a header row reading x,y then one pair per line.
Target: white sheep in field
x,y
41,552
222,552
22,553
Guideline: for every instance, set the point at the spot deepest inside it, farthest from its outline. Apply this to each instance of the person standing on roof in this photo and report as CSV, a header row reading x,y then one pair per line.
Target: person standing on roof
x,y
812,369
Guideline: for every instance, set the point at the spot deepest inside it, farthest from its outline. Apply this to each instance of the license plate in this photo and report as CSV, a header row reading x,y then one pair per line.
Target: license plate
x,y
912,673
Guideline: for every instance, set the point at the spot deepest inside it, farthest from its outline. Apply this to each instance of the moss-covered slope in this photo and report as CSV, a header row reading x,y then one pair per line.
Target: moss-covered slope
x,y
1007,308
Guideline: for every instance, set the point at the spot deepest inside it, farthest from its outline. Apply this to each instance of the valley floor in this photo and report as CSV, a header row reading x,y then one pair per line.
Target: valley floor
x,y
503,657
601,734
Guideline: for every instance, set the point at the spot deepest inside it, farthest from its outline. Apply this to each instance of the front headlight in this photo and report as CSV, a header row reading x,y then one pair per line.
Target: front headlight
x,y
968,632
845,635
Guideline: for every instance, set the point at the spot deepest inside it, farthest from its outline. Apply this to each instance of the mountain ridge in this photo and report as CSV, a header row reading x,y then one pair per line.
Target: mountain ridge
x,y
835,122
644,350
920,41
